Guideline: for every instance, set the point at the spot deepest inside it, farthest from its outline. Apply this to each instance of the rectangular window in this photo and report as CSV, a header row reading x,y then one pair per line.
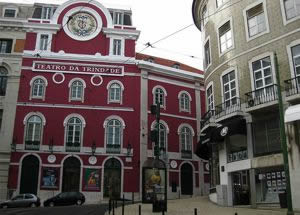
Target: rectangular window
x,y
225,37
210,99
256,20
9,13
117,47
229,89
262,76
296,59
41,12
220,2
44,41
118,18
1,116
207,54
5,45
292,8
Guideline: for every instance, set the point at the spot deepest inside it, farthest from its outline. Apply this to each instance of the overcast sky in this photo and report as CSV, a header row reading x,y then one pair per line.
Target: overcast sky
x,y
157,19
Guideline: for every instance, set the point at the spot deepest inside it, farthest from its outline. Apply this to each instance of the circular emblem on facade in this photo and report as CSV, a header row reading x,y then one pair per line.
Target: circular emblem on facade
x,y
82,24
58,80
207,166
173,164
92,160
97,83
51,158
224,131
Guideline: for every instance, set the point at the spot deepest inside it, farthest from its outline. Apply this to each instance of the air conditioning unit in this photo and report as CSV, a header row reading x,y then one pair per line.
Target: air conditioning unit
x,y
250,102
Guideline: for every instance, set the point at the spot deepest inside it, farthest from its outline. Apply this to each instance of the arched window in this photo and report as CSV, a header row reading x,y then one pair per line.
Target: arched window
x,y
184,102
162,137
38,88
115,93
77,90
159,95
114,135
73,134
186,142
33,134
3,80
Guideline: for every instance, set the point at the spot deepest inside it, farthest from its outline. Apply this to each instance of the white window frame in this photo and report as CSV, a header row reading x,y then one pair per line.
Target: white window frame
x,y
10,8
70,89
65,123
223,3
164,105
290,56
232,36
123,125
180,127
38,42
283,12
121,93
227,71
111,50
207,40
153,124
31,87
39,114
179,101
210,84
263,2
259,57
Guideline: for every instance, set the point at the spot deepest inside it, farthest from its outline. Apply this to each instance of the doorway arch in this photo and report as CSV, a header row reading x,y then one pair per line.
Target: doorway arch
x,y
30,174
112,179
71,174
186,176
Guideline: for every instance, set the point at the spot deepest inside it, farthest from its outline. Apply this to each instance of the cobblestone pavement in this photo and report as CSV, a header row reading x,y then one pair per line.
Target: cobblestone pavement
x,y
203,205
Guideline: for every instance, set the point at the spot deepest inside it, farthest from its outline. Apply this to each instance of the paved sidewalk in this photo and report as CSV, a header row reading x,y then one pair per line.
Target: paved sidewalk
x,y
203,205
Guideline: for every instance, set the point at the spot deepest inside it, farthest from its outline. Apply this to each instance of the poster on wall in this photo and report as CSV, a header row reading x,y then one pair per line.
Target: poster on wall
x,y
50,178
92,179
154,184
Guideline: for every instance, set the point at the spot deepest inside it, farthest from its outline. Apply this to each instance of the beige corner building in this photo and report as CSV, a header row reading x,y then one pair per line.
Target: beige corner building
x,y
12,40
241,126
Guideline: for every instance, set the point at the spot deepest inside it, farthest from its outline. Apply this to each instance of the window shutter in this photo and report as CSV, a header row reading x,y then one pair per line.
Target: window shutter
x,y
255,11
224,28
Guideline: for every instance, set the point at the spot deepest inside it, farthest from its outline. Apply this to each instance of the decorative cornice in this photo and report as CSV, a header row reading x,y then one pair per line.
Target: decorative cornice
x,y
128,33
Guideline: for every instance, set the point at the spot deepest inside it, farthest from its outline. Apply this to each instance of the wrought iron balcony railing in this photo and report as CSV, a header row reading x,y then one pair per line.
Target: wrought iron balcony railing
x,y
206,118
292,86
113,148
32,145
73,147
186,153
261,96
228,107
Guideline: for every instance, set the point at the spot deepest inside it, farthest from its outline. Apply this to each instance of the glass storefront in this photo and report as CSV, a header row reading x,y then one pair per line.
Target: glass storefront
x,y
269,182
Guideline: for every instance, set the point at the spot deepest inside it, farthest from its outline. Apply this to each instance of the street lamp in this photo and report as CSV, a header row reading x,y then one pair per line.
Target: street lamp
x,y
129,147
51,141
93,147
13,145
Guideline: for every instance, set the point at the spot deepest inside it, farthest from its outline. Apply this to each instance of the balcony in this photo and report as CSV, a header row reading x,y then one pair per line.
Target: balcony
x,y
32,145
292,89
73,147
262,97
186,154
208,117
113,148
228,109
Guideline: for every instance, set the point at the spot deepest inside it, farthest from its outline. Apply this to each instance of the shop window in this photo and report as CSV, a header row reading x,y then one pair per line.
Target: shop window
x,y
292,8
10,12
225,37
266,136
6,45
3,80
33,135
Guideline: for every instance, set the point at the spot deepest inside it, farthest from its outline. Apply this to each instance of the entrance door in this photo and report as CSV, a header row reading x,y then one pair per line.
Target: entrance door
x,y
186,179
241,192
71,175
29,175
112,178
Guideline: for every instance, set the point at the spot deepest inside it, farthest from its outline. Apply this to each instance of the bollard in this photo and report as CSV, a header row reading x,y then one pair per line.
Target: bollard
x,y
123,203
140,210
109,206
113,207
163,211
235,213
195,211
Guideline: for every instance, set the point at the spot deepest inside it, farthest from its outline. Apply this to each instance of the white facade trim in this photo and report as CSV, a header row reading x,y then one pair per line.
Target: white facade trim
x,y
248,38
108,91
74,115
290,56
111,45
39,114
164,105
170,81
283,14
114,117
179,102
10,7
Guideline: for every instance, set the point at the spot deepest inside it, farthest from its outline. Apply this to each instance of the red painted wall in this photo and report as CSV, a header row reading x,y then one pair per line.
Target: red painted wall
x,y
30,41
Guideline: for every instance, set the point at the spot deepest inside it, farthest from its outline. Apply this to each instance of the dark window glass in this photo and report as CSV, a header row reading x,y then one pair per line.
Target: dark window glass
x,y
37,13
3,81
5,45
1,116
127,19
9,13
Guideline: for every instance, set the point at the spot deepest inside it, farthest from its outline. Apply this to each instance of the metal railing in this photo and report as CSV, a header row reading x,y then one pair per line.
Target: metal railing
x,y
229,107
113,148
206,118
32,145
292,86
261,96
72,147
186,153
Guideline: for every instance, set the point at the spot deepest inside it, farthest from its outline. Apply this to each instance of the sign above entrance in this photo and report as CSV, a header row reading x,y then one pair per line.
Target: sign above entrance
x,y
90,69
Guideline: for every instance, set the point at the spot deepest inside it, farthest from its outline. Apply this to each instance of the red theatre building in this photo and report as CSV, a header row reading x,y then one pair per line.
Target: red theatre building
x,y
83,119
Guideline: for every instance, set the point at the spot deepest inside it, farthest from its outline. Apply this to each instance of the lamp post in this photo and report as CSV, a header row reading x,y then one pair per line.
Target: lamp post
x,y
13,145
51,143
93,147
129,147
